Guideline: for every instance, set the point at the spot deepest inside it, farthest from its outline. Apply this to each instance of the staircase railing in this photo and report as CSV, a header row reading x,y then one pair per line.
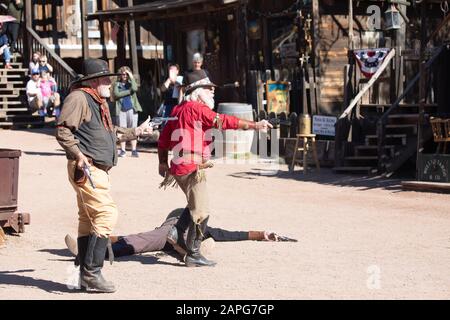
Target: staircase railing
x,y
62,72
371,82
381,124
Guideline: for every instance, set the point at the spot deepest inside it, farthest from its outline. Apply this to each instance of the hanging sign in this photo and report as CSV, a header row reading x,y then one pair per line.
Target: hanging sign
x,y
369,60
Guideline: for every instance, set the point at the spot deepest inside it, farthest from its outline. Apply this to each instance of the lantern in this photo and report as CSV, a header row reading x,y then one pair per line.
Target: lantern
x,y
392,18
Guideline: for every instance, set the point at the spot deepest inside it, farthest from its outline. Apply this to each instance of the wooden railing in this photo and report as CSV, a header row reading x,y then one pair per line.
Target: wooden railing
x,y
62,73
381,124
372,80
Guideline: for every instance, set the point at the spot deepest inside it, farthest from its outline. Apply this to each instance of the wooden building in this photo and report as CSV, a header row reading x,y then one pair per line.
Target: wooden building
x,y
308,43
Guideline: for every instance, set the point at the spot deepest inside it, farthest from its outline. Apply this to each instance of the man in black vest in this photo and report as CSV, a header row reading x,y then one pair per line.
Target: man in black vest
x,y
86,133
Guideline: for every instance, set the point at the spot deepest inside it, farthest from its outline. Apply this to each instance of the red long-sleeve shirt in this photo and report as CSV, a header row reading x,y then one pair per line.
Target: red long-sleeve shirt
x,y
187,134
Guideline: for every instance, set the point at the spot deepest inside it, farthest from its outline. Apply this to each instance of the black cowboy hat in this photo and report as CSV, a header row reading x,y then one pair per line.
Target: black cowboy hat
x,y
94,68
197,79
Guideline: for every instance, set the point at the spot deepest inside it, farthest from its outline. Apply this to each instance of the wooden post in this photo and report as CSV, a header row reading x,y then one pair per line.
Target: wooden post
x,y
132,46
260,92
316,18
100,6
266,44
350,25
422,91
400,45
121,49
28,47
84,30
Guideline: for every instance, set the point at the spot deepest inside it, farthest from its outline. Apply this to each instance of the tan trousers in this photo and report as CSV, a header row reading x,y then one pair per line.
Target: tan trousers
x,y
194,187
97,212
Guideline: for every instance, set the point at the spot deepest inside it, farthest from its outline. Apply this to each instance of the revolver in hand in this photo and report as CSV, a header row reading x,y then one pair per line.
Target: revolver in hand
x,y
157,121
87,172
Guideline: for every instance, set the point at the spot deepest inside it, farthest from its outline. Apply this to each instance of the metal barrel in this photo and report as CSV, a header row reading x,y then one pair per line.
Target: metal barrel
x,y
236,144
304,124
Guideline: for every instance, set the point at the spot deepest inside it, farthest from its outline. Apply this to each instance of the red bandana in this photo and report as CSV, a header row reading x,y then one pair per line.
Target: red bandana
x,y
104,109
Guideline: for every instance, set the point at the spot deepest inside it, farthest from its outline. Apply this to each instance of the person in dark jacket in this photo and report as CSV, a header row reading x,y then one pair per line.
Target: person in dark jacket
x,y
170,89
87,135
15,9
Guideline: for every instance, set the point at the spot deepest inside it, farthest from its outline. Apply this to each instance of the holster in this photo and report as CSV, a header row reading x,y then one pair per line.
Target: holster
x,y
79,177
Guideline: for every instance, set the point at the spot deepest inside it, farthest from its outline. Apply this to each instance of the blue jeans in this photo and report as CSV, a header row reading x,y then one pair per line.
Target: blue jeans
x,y
7,55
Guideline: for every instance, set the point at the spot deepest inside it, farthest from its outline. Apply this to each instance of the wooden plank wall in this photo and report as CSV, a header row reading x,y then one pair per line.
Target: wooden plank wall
x,y
62,18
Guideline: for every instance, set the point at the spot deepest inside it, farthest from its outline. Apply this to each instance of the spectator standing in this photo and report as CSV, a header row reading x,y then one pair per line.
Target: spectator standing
x,y
127,106
171,89
34,93
197,64
15,9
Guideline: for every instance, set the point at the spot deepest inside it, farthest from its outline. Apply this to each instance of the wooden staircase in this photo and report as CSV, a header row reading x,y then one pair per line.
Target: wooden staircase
x,y
400,140
384,136
13,100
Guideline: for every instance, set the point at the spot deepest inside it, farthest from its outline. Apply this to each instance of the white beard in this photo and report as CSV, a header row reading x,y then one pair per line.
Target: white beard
x,y
104,92
208,100
210,103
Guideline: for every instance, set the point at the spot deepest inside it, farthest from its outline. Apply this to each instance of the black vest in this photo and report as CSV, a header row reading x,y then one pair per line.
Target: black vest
x,y
95,141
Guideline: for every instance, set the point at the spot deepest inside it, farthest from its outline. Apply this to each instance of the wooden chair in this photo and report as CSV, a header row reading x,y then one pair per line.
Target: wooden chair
x,y
441,133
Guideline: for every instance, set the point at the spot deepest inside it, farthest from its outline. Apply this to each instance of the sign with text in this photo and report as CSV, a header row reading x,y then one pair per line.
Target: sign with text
x,y
324,125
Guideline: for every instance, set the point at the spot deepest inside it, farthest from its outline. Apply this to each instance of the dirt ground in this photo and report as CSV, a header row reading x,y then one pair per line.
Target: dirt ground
x,y
359,238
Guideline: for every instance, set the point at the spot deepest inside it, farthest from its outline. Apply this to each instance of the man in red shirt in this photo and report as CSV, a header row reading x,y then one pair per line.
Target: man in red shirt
x,y
187,138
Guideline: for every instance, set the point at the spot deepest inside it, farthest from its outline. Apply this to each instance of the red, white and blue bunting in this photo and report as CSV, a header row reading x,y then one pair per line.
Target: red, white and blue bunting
x,y
369,60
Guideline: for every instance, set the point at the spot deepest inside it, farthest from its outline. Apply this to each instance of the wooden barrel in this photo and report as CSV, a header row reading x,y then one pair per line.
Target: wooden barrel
x,y
236,144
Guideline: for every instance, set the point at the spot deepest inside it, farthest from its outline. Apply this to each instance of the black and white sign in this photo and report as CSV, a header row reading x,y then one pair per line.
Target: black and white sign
x,y
324,125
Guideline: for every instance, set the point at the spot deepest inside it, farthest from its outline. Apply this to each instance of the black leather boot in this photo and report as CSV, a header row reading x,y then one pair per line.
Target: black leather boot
x,y
91,276
193,241
176,234
82,244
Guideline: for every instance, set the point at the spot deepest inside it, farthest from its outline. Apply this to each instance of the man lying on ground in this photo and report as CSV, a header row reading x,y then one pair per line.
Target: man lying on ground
x,y
156,240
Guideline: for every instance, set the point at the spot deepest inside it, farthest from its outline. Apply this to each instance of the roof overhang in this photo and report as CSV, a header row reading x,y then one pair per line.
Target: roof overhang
x,y
163,9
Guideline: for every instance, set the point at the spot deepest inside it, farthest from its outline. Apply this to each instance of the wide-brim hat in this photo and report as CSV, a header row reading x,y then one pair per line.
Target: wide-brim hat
x,y
197,79
94,68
